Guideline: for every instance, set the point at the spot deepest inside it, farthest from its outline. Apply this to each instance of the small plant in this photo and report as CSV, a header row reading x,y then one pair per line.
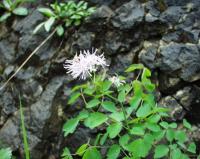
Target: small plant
x,y
13,7
5,153
132,121
64,15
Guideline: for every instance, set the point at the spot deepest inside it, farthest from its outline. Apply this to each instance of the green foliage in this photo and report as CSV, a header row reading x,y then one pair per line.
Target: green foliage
x,y
131,119
6,153
13,7
64,15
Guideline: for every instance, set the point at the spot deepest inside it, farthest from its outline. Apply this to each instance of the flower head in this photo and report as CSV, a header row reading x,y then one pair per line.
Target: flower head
x,y
84,64
116,81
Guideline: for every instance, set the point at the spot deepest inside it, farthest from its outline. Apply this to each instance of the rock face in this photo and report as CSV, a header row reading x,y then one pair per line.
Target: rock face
x,y
128,15
181,58
163,35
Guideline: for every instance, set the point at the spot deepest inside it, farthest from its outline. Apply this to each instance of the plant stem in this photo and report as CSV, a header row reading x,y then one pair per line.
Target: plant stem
x,y
27,59
83,97
124,113
24,133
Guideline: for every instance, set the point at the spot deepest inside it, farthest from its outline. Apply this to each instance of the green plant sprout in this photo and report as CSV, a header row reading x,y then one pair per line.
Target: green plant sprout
x,y
127,112
13,7
64,15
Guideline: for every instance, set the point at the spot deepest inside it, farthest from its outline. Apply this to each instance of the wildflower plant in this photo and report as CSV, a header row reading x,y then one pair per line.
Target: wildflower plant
x,y
64,15
13,7
132,121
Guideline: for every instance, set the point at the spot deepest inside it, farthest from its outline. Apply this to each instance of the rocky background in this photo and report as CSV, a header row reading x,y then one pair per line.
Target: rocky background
x,y
161,34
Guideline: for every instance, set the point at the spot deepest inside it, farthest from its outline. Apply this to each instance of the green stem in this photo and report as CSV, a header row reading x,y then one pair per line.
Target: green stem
x,y
124,113
24,133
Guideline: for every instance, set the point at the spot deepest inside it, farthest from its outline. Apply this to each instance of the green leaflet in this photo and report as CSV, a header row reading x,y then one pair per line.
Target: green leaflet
x,y
95,119
70,126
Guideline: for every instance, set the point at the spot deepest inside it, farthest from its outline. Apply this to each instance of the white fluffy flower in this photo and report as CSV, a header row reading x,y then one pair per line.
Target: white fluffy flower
x,y
84,64
116,81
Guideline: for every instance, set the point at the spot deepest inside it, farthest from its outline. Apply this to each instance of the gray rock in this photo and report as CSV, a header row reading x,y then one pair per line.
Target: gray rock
x,y
115,43
176,111
122,62
148,54
167,84
3,31
7,52
28,73
150,6
84,40
181,2
181,58
172,36
31,88
191,20
28,41
102,2
153,13
150,18
27,24
189,98
128,15
7,103
35,118
102,12
41,110
172,15
182,34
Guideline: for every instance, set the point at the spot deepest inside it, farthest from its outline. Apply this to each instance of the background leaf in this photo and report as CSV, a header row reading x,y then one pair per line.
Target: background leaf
x,y
20,11
48,24
109,106
4,16
113,152
93,103
114,129
161,151
92,153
